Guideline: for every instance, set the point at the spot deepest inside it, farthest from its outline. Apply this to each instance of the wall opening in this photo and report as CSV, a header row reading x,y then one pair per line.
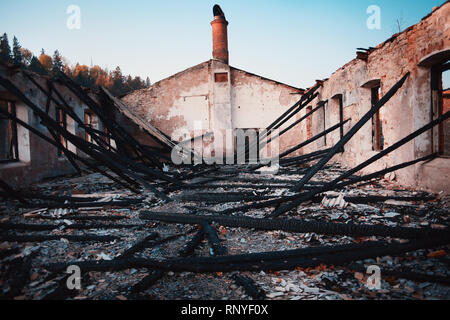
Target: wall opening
x,y
338,104
377,124
341,114
221,77
61,118
324,109
252,157
440,93
445,126
88,123
107,138
321,126
309,123
248,140
9,146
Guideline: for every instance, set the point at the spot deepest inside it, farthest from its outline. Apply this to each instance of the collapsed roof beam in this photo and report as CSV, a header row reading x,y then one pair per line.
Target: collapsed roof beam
x,y
332,185
340,145
72,154
352,132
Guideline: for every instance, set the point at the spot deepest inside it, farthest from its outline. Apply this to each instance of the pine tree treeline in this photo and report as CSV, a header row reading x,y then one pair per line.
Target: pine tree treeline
x,y
89,77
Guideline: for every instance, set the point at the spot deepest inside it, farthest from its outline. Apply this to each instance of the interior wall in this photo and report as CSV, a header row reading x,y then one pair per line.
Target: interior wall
x,y
38,159
406,112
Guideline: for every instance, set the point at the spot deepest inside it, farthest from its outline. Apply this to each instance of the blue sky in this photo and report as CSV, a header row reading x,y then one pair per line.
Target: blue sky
x,y
292,41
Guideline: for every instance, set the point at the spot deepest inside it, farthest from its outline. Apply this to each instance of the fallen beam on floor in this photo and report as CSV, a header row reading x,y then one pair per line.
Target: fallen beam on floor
x,y
138,246
296,226
71,238
11,193
217,249
307,196
112,203
192,244
332,185
250,287
191,265
75,226
404,273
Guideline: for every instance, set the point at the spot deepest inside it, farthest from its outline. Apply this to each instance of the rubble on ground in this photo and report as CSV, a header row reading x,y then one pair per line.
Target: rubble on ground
x,y
344,282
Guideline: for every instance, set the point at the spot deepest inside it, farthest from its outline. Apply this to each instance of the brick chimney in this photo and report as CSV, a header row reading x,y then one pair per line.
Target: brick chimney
x,y
220,35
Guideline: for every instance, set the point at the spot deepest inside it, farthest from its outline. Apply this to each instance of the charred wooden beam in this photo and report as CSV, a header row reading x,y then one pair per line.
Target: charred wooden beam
x,y
385,171
85,218
304,98
351,133
42,238
375,199
65,106
236,186
119,133
394,147
112,203
74,155
155,275
211,198
309,252
75,226
332,185
78,142
11,193
61,291
21,277
307,196
296,108
147,281
304,144
319,106
296,226
300,159
190,246
159,136
59,199
92,132
217,249
303,162
140,245
404,273
5,253
189,265
250,287
340,145
257,181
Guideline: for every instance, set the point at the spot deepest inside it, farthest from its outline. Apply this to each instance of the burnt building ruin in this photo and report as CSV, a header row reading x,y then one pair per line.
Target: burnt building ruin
x,y
86,179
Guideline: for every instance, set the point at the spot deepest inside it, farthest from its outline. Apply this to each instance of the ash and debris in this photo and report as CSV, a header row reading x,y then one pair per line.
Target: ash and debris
x,y
22,275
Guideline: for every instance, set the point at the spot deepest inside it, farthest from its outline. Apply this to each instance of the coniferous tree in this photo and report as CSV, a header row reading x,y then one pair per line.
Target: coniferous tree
x,y
36,66
17,57
118,82
5,49
147,82
57,63
128,85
